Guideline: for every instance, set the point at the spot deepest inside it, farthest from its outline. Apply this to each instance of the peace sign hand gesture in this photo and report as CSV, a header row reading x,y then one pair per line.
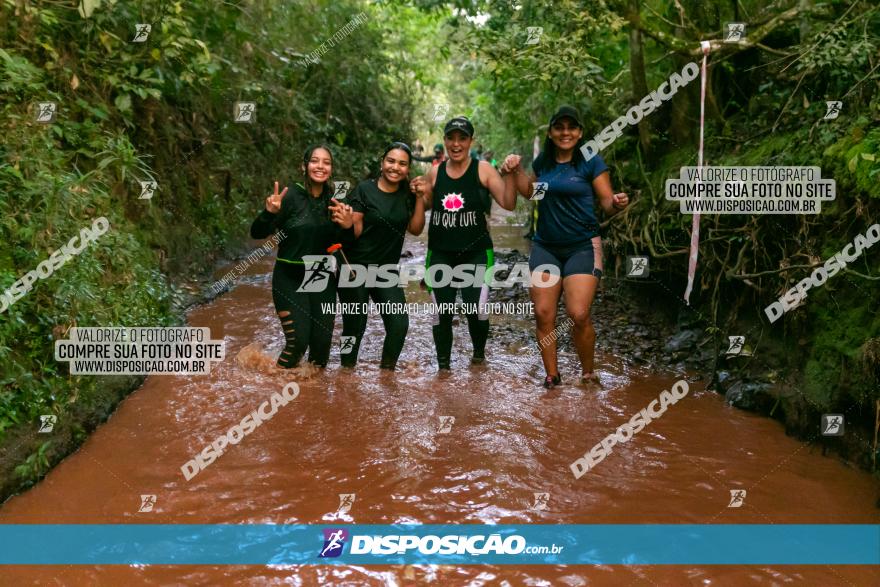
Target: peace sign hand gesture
x,y
273,202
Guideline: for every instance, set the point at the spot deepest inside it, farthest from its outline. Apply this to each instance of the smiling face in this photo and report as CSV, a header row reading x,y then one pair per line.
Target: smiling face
x,y
395,166
458,145
565,133
320,166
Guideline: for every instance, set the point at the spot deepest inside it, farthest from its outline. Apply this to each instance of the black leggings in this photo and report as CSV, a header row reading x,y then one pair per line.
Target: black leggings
x,y
478,324
354,321
305,323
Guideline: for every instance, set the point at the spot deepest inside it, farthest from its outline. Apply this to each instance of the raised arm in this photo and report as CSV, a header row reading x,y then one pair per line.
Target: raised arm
x,y
502,190
423,187
266,223
417,220
523,179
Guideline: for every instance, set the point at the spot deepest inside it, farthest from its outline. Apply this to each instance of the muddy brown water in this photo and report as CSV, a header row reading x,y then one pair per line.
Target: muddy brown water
x,y
374,434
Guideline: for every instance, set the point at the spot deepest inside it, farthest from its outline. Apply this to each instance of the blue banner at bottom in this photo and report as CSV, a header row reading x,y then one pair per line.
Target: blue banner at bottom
x,y
445,544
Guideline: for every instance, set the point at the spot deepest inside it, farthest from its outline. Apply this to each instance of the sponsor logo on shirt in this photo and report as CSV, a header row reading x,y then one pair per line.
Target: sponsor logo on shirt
x,y
453,202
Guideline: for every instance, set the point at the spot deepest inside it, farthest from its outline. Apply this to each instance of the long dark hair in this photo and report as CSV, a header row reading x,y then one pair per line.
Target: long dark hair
x,y
307,156
404,183
546,159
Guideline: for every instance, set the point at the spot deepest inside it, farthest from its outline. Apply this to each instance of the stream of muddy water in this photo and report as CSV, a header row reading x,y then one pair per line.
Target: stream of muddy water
x,y
375,434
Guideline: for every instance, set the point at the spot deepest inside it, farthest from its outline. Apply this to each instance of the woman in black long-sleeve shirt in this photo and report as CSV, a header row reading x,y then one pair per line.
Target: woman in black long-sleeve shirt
x,y
309,221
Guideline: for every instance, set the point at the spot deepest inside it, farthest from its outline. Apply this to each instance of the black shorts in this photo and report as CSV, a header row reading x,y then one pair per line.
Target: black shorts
x,y
583,259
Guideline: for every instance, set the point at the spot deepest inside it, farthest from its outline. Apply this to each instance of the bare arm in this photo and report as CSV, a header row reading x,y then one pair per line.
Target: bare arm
x,y
504,191
417,221
423,187
523,179
610,202
509,189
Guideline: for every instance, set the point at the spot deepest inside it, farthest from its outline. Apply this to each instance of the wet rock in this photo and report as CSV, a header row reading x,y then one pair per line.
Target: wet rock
x,y
684,340
747,394
722,381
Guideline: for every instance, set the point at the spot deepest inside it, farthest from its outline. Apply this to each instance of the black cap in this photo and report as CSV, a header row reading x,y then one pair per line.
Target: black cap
x,y
459,123
567,111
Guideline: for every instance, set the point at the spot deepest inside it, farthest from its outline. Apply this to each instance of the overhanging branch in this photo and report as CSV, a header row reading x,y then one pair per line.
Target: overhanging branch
x,y
718,46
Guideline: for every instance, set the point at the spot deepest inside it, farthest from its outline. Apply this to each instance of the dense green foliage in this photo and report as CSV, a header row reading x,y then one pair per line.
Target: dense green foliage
x,y
765,106
163,110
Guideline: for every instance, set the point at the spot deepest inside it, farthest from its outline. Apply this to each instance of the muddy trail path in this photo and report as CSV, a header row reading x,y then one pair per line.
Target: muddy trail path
x,y
377,435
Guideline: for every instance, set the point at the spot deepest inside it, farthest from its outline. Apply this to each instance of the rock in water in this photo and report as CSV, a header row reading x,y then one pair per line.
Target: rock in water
x,y
681,341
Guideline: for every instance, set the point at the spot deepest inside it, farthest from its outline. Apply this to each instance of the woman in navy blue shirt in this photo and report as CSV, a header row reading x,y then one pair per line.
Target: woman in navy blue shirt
x,y
567,235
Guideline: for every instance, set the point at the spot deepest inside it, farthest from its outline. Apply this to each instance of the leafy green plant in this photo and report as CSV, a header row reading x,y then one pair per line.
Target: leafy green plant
x,y
35,466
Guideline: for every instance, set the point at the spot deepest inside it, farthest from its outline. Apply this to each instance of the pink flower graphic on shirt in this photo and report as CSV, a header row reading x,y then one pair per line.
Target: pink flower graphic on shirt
x,y
453,202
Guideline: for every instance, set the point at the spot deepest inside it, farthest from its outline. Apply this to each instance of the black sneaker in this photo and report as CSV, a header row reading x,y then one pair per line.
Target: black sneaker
x,y
443,364
552,381
478,358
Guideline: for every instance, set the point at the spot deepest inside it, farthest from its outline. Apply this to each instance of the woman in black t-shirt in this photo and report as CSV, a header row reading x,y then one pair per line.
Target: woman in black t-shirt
x,y
384,210
309,221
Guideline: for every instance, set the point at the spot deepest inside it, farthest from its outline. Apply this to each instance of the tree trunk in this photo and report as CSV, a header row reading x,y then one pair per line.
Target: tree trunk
x,y
637,72
680,124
